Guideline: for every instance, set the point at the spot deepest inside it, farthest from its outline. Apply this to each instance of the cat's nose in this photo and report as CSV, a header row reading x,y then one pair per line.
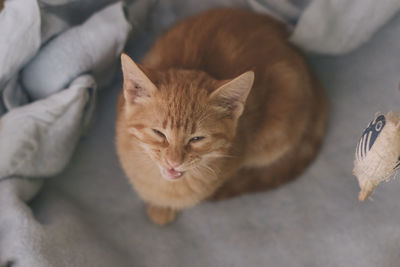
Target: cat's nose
x,y
174,164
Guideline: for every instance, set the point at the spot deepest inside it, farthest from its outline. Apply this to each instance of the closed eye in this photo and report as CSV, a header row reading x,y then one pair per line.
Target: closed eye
x,y
196,139
157,132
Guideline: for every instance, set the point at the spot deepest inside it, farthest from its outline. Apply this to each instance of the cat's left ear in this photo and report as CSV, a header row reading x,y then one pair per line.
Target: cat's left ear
x,y
137,86
231,97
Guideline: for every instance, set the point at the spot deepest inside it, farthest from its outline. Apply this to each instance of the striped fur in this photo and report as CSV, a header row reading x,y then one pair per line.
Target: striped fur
x,y
195,82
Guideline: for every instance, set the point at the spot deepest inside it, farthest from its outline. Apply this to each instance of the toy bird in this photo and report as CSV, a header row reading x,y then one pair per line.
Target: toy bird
x,y
377,154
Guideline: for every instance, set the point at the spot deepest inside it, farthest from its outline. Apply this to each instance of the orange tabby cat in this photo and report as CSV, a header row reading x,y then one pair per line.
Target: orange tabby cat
x,y
221,105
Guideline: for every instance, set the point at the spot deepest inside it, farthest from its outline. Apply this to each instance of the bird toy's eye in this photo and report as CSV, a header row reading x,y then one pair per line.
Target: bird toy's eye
x,y
378,126
157,132
195,139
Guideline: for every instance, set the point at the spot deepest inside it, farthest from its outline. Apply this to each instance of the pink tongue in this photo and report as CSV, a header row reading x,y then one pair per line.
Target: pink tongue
x,y
174,173
170,173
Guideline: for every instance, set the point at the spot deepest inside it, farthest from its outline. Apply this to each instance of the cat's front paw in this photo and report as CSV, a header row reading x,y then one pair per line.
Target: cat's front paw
x,y
160,215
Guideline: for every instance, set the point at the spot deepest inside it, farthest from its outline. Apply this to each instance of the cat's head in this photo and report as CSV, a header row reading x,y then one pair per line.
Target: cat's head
x,y
184,120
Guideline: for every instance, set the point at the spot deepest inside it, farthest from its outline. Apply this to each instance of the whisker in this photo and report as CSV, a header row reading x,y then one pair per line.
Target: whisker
x,y
219,156
211,170
204,183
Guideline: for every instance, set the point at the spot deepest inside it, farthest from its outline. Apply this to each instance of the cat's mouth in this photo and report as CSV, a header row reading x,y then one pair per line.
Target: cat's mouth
x,y
170,174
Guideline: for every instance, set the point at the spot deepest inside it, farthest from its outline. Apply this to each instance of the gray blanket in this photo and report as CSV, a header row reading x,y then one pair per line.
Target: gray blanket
x,y
88,215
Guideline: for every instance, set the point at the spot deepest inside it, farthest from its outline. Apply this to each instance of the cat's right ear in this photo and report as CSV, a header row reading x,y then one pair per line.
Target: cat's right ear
x,y
137,86
230,98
